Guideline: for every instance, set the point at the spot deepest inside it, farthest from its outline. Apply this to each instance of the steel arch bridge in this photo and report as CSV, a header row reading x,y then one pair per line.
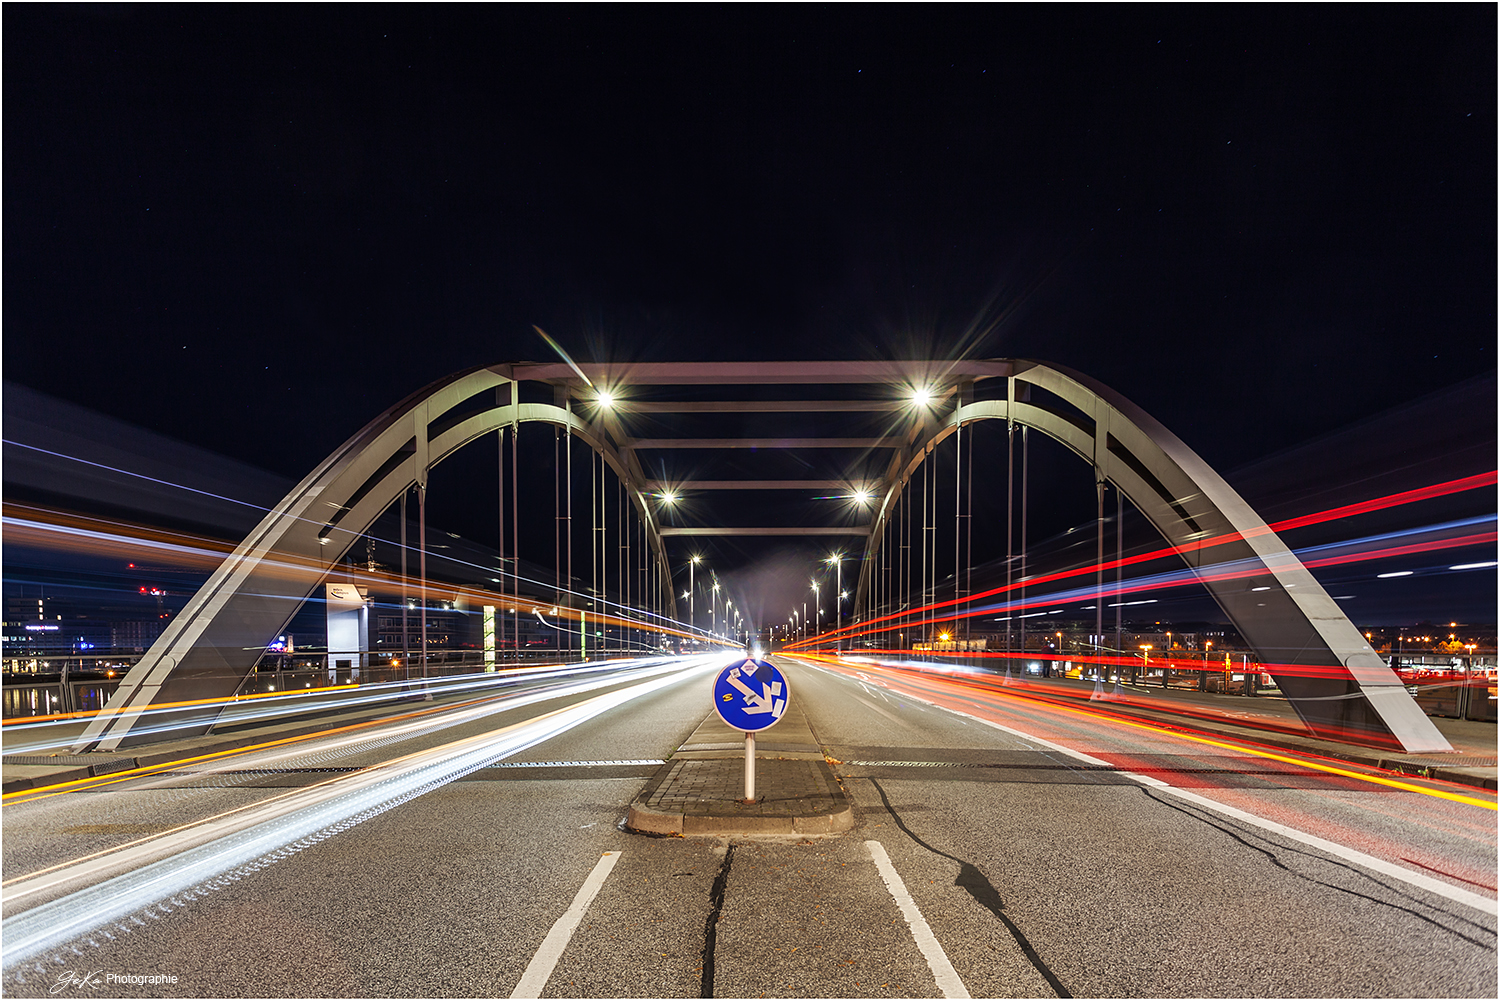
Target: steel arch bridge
x,y
1279,608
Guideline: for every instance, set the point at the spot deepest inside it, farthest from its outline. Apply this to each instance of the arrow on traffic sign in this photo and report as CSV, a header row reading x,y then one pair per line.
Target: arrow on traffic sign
x,y
759,704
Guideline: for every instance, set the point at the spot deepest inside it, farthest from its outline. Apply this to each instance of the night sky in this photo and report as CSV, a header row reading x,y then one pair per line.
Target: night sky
x,y
253,228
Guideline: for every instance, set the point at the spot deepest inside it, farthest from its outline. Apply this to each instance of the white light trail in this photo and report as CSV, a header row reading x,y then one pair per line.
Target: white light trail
x,y
279,830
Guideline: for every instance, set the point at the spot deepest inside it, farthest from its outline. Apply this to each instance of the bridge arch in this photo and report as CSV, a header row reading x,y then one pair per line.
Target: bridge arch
x,y
259,587
1278,607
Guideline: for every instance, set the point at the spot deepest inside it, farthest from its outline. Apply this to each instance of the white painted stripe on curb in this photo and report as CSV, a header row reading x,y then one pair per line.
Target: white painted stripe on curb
x,y
540,967
937,960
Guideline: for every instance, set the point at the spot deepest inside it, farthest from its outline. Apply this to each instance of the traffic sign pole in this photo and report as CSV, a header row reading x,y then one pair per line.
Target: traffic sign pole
x,y
750,767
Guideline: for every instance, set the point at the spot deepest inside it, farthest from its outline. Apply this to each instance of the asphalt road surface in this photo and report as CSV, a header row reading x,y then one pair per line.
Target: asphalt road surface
x,y
1003,847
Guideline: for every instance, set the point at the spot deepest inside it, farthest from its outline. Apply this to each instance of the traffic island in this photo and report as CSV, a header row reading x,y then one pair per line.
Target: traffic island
x,y
700,790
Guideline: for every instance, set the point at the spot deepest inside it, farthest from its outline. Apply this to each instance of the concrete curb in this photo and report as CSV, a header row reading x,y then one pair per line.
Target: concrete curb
x,y
726,816
827,814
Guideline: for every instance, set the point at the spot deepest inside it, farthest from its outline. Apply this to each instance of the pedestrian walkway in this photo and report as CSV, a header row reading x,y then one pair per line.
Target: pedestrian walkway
x,y
700,790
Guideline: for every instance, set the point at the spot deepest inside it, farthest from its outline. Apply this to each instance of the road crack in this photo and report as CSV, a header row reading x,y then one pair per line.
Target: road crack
x,y
711,926
978,886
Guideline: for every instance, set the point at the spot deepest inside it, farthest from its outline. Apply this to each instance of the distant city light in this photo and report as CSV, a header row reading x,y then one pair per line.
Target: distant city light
x,y
1397,573
1473,566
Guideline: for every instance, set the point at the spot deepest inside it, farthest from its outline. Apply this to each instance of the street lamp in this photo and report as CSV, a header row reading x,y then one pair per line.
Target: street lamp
x,y
837,559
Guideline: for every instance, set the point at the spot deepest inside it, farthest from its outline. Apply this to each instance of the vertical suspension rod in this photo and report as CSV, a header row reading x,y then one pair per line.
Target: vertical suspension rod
x,y
405,635
1099,576
568,518
1025,467
1010,499
500,612
422,562
1119,574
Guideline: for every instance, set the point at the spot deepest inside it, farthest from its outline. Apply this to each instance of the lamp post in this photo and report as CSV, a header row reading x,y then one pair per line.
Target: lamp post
x,y
692,592
818,604
837,559
713,607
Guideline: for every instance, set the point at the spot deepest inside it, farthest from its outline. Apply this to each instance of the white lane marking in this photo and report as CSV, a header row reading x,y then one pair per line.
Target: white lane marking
x,y
1417,879
932,951
266,834
1455,893
540,967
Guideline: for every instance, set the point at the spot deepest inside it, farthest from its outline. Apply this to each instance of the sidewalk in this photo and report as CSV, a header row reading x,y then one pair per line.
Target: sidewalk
x,y
700,790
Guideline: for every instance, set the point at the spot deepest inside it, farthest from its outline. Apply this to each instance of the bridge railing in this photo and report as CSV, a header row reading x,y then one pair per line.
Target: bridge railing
x,y
1458,686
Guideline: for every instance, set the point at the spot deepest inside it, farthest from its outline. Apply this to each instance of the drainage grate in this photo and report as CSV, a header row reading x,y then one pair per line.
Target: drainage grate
x,y
1457,761
575,764
200,773
979,764
914,764
64,759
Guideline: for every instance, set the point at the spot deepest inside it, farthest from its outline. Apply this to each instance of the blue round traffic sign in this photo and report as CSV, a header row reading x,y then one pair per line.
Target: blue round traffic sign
x,y
750,695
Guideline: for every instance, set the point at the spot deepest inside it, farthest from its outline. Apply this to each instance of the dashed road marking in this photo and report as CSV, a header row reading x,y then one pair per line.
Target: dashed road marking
x,y
937,960
541,965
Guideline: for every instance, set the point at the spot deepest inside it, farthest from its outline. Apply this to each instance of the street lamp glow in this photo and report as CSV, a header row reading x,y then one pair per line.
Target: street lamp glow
x,y
861,496
669,498
921,396
605,399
